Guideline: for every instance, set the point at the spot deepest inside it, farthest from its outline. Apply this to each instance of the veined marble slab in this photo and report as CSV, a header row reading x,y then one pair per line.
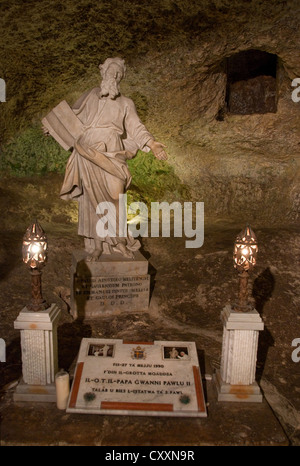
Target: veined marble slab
x,y
160,378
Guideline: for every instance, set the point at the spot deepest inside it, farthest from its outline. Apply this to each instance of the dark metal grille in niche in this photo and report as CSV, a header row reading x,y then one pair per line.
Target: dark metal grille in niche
x,y
251,82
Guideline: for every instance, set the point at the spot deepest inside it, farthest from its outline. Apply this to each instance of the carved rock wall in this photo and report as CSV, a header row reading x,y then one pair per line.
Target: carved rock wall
x,y
244,166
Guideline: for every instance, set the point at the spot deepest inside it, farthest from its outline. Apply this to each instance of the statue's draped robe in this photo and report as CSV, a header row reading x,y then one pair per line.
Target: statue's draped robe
x,y
97,170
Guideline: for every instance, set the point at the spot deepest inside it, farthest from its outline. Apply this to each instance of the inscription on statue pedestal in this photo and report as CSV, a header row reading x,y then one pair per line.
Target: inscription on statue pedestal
x,y
111,285
160,378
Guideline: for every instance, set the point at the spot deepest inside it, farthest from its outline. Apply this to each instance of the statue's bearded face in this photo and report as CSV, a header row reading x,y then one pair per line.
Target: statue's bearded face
x,y
110,85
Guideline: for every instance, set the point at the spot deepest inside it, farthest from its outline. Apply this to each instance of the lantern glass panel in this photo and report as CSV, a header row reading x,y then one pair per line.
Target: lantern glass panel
x,y
245,250
35,246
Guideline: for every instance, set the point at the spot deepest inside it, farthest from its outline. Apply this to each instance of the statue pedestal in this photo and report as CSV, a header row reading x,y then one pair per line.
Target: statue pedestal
x,y
108,286
39,354
236,379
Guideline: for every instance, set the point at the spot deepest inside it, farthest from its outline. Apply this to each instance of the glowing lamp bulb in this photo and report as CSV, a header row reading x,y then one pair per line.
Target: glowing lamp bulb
x,y
35,248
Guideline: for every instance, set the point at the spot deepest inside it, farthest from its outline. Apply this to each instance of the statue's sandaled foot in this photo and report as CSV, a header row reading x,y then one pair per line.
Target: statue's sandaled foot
x,y
125,252
95,256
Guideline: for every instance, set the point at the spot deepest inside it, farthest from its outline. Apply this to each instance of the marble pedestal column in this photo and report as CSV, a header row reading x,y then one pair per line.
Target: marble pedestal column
x,y
236,379
39,354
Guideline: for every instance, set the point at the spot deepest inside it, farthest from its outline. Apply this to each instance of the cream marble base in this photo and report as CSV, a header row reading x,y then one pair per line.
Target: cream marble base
x,y
40,393
239,393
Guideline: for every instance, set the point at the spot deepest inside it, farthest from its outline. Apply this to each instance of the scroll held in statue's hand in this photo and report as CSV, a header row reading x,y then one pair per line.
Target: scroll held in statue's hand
x,y
63,125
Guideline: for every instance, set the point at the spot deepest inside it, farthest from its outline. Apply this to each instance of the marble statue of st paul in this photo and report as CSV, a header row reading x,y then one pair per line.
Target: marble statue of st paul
x,y
110,134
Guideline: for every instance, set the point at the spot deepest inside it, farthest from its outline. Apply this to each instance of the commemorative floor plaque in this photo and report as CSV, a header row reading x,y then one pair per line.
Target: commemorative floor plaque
x,y
160,378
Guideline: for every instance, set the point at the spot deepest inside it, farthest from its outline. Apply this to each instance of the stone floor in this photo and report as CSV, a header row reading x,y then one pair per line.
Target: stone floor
x,y
233,424
189,289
